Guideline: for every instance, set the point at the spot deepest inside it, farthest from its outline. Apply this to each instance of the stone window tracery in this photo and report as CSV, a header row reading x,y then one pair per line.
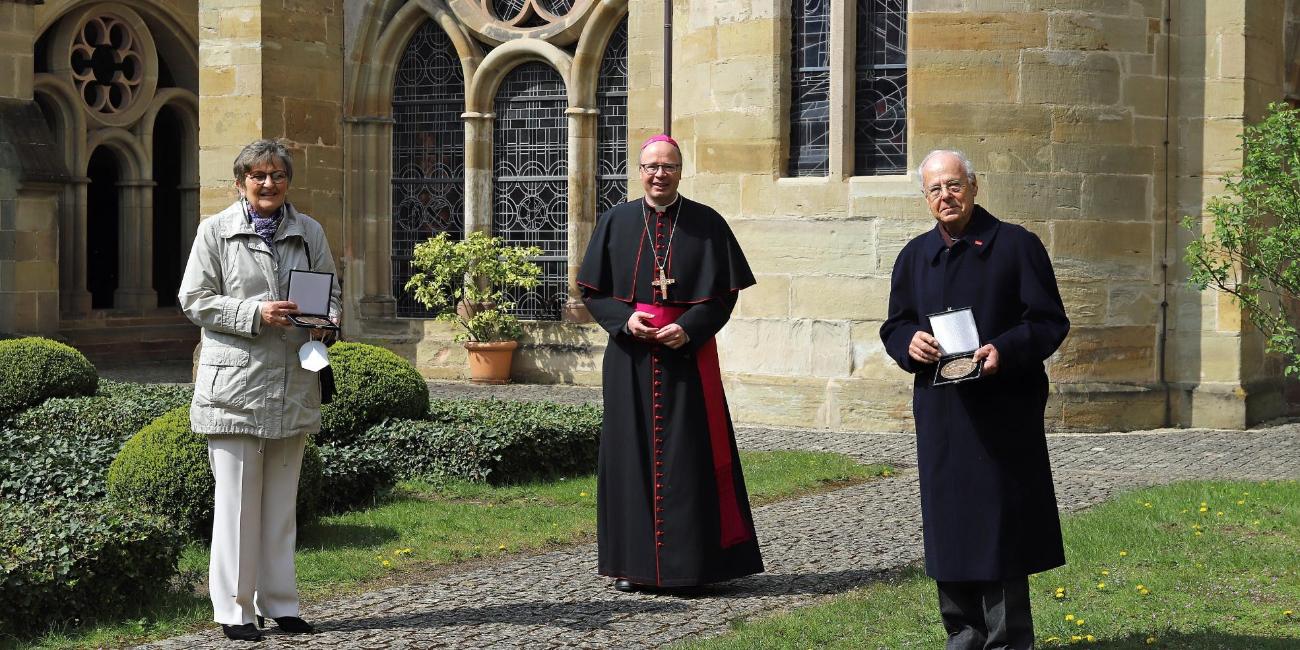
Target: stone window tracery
x,y
810,89
428,183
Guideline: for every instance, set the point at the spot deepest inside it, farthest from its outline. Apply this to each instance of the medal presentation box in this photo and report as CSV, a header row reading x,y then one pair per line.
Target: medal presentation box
x,y
310,290
958,339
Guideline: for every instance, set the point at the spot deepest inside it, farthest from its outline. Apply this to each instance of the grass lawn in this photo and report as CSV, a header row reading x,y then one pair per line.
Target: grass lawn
x,y
1197,565
424,529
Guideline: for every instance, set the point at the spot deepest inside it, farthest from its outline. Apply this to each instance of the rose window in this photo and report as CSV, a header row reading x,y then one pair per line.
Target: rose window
x,y
107,64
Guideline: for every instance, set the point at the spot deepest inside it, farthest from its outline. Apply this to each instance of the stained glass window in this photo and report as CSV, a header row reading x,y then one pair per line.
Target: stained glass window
x,y
880,101
810,89
530,154
611,125
428,153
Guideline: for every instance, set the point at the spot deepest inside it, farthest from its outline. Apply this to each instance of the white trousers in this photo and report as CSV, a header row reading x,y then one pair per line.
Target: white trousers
x,y
254,527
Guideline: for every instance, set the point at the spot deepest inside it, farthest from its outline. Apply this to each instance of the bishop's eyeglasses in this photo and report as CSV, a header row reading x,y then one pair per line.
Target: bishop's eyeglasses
x,y
260,177
654,168
954,188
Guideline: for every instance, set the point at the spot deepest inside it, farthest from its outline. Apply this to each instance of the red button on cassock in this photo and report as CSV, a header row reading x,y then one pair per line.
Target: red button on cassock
x,y
659,544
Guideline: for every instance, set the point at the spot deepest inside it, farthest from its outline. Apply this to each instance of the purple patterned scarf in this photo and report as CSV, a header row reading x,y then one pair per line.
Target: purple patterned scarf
x,y
265,226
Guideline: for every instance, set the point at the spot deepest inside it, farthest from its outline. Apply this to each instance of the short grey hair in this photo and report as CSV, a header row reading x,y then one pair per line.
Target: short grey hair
x,y
260,152
966,165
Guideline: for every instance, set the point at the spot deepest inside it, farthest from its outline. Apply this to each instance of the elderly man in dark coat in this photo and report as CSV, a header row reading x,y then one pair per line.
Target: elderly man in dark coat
x,y
987,505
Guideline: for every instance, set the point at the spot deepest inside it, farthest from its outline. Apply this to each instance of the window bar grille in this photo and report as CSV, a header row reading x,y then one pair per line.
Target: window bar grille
x,y
611,125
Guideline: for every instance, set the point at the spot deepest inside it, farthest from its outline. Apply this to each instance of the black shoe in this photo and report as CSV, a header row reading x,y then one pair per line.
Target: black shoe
x,y
243,632
625,585
290,624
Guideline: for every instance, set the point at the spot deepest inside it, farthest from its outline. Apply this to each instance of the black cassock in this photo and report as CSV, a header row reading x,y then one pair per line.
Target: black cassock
x,y
672,509
987,504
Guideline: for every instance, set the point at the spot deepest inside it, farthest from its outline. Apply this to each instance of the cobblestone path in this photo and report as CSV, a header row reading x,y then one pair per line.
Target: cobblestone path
x,y
814,546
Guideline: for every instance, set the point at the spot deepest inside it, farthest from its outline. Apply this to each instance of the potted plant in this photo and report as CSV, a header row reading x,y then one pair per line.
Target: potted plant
x,y
464,282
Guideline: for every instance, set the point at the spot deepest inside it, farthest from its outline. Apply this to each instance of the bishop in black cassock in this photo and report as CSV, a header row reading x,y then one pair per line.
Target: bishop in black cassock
x,y
661,275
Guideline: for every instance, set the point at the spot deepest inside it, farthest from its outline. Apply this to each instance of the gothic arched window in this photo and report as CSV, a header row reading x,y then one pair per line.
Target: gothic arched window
x,y
810,86
880,96
530,163
611,125
428,152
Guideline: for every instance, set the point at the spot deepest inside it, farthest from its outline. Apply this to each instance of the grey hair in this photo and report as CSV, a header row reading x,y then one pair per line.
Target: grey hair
x,y
259,152
966,165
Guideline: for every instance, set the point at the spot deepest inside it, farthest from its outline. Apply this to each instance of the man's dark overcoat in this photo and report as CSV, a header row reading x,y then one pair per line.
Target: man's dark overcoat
x,y
987,504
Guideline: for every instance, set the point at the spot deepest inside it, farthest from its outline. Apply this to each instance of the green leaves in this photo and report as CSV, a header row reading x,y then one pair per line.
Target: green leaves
x,y
464,282
1250,249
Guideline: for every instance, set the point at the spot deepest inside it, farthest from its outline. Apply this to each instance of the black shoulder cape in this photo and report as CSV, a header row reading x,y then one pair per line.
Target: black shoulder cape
x,y
704,258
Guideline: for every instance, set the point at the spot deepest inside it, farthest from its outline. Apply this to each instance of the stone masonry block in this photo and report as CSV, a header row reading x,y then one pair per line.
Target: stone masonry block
x,y
767,346
1068,77
745,83
1144,95
1107,354
893,233
1085,301
1087,31
806,246
1089,124
777,400
756,38
1132,304
870,361
1103,158
839,297
1117,198
1031,196
313,122
968,119
872,404
1091,249
995,154
986,77
769,298
978,31
830,349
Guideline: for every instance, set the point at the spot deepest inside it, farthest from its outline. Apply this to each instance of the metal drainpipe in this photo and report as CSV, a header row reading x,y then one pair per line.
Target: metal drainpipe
x,y
668,67
1162,341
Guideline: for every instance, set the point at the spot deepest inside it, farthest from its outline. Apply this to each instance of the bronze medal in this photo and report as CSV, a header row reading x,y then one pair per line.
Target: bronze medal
x,y
957,368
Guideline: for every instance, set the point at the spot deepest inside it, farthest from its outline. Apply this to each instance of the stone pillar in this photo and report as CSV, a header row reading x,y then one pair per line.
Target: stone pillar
x,y
370,196
17,35
1228,65
135,257
74,298
478,171
273,69
582,203
189,216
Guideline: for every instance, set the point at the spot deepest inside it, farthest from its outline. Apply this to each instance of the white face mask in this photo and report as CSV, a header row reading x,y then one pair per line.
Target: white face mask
x,y
313,356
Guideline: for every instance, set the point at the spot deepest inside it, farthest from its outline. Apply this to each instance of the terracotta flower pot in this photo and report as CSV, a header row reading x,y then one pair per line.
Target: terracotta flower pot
x,y
489,362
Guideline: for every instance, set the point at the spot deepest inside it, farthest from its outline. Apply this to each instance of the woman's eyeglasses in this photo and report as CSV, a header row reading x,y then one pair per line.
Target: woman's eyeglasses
x,y
260,177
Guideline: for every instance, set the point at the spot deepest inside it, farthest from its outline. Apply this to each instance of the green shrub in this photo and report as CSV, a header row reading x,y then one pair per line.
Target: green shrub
x,y
34,369
491,440
373,384
78,560
62,448
354,476
164,470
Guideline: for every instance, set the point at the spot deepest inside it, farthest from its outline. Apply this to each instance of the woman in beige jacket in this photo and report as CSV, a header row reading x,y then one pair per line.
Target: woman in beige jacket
x,y
252,398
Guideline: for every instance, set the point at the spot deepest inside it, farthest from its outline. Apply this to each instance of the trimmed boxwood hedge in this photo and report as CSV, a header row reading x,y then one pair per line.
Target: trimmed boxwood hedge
x,y
492,440
354,476
163,469
373,383
78,561
34,369
62,448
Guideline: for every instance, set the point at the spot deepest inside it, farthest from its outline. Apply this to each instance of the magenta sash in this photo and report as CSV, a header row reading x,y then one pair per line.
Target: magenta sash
x,y
734,530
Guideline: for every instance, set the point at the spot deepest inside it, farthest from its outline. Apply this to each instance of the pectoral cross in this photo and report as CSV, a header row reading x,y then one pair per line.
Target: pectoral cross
x,y
663,283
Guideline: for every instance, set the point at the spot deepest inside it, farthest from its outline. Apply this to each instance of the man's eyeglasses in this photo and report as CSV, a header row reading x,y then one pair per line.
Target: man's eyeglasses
x,y
954,188
260,177
653,169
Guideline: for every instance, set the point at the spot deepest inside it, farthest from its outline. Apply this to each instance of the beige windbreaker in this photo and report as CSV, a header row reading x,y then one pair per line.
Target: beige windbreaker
x,y
249,379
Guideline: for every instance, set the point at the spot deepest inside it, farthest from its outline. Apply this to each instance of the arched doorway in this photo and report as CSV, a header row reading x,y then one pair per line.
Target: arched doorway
x,y
103,223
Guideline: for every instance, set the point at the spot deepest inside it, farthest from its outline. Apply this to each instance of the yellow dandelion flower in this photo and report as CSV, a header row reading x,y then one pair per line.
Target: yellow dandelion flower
x,y
1105,572
1101,585
1204,509
1288,613
1139,587
1241,502
1078,621
1075,638
1147,504
1069,617
1089,638
1052,639
1123,553
1204,504
1199,533
582,494
1144,591
501,547
1151,640
387,564
886,473
1218,514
